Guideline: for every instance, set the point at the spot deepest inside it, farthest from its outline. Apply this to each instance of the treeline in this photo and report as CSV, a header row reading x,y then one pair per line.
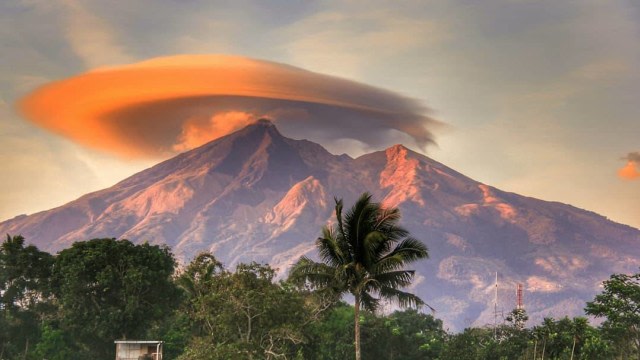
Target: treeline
x,y
75,304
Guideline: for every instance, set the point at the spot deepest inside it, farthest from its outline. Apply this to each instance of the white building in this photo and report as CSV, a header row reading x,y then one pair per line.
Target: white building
x,y
138,350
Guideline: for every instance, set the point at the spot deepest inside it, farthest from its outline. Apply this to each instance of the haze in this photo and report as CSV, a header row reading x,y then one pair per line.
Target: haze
x,y
539,98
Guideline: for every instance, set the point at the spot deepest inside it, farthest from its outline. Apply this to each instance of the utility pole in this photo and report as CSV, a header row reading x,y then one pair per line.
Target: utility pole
x,y
495,311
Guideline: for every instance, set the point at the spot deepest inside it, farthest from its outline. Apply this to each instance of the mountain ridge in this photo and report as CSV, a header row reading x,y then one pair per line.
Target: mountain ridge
x,y
256,195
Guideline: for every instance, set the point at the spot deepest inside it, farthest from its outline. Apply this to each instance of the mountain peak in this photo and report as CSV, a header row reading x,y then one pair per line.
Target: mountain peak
x,y
261,125
401,151
264,122
397,147
396,150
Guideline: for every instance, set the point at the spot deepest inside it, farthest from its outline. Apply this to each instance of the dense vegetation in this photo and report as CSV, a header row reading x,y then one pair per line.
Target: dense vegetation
x,y
74,304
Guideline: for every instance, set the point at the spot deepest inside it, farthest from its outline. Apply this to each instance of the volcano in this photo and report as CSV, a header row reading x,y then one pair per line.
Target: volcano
x,y
256,195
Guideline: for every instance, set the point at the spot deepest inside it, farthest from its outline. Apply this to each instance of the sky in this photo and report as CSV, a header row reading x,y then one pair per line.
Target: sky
x,y
541,98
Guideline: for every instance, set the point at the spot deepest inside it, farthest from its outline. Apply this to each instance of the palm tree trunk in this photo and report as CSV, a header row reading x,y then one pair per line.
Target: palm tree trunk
x,y
356,312
26,350
574,347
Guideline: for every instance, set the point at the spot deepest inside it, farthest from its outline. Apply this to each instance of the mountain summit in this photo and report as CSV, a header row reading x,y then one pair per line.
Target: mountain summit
x,y
257,195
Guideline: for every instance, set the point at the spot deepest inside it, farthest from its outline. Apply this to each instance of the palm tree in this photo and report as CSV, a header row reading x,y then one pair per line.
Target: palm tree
x,y
363,254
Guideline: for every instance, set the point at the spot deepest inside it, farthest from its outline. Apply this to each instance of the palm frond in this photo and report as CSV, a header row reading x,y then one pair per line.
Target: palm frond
x,y
388,263
387,222
368,302
394,233
339,206
372,249
187,284
403,299
388,216
410,250
393,279
317,275
330,250
358,223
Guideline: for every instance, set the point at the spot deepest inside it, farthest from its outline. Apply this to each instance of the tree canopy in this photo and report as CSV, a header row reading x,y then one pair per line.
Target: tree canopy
x,y
619,304
111,289
25,272
241,314
74,304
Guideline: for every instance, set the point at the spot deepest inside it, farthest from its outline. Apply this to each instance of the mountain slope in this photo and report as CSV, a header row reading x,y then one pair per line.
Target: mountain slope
x,y
256,195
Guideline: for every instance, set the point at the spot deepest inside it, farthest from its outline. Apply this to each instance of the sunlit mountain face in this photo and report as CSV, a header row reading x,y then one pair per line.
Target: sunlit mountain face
x,y
255,195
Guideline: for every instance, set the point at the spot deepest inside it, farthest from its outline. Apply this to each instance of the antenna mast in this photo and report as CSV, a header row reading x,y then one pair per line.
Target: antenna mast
x,y
519,303
495,311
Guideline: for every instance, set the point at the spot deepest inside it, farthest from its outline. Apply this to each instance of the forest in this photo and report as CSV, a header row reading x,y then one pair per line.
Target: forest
x,y
73,305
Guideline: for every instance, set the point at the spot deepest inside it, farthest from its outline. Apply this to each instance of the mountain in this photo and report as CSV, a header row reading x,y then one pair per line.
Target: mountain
x,y
257,195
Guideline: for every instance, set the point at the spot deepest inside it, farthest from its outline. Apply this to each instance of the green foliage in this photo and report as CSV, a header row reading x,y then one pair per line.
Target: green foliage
x,y
404,335
54,345
175,331
562,339
112,289
569,338
203,288
364,254
239,315
331,337
471,344
24,274
24,291
503,343
74,305
415,335
619,303
517,318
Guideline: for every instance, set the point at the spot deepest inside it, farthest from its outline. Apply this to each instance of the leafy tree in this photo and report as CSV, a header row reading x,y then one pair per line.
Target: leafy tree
x,y
24,275
240,315
415,335
518,318
331,336
557,337
24,295
594,346
202,282
176,332
471,344
569,339
54,345
404,335
111,289
363,254
619,303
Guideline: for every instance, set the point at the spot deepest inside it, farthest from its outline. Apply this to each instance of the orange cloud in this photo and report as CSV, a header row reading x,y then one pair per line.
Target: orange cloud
x,y
169,104
630,171
196,133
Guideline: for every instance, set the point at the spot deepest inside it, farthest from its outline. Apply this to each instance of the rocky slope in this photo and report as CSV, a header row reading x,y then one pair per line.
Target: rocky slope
x,y
256,195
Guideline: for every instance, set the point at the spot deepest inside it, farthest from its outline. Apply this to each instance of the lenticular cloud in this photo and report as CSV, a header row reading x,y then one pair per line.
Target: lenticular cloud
x,y
171,104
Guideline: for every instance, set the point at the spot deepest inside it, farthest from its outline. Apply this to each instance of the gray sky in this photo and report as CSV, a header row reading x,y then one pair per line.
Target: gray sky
x,y
540,97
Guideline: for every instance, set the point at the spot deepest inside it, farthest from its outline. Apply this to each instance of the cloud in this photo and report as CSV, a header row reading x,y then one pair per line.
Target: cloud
x,y
163,105
631,170
350,40
91,38
633,157
196,132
